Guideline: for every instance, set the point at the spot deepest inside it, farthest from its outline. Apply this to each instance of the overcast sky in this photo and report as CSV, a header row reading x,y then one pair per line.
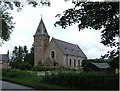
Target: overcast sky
x,y
28,19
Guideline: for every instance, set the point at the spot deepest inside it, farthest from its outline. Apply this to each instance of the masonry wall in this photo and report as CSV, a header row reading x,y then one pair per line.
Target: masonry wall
x,y
59,56
40,43
4,64
75,61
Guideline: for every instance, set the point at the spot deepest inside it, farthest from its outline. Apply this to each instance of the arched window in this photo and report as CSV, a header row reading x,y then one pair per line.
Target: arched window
x,y
74,63
70,62
78,63
52,54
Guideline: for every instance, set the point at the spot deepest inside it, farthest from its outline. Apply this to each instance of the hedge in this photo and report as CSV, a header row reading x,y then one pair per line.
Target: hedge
x,y
84,80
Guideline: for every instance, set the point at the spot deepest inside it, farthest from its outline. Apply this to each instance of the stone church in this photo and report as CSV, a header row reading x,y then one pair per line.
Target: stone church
x,y
55,52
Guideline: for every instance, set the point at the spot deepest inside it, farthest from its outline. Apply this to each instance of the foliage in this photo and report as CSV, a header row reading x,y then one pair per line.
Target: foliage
x,y
7,23
29,57
20,77
21,59
17,73
24,66
20,65
19,53
96,15
87,61
40,67
113,57
112,60
84,80
115,62
26,78
111,54
69,79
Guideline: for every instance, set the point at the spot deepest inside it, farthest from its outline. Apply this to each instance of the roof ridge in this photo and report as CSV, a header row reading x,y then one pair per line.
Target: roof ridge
x,y
66,42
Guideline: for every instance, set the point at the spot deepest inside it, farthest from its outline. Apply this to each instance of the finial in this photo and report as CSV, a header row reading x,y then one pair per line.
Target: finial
x,y
41,15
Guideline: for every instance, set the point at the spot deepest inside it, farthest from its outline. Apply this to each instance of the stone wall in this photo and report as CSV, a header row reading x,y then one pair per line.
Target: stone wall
x,y
58,57
40,43
75,61
4,64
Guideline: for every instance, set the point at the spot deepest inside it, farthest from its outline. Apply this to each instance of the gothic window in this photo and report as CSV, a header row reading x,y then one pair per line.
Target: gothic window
x,y
74,63
70,62
52,54
78,63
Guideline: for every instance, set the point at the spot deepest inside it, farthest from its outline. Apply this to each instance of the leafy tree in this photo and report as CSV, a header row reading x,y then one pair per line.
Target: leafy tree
x,y
21,58
113,57
96,15
6,19
7,23
14,53
24,66
30,57
115,62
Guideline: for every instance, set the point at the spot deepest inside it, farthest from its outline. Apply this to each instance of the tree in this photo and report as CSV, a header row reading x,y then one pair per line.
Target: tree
x,y
29,58
96,15
113,57
6,18
21,58
6,23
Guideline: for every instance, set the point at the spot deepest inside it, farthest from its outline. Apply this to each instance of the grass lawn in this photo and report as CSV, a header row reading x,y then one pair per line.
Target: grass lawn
x,y
63,79
31,79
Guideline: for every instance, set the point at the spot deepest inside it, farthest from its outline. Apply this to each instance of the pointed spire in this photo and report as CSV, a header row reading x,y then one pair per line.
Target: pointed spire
x,y
41,30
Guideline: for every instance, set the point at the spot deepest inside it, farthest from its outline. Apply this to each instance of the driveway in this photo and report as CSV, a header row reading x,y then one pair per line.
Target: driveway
x,y
13,87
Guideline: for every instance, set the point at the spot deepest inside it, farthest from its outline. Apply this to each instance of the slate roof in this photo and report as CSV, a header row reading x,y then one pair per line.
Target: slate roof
x,y
101,65
4,57
41,30
70,49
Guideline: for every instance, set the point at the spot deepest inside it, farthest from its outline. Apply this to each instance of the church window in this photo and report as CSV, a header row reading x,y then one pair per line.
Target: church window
x,y
74,63
52,54
70,62
78,63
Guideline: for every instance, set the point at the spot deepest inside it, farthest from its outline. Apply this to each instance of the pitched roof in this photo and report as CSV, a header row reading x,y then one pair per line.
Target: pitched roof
x,y
4,57
41,30
70,49
101,65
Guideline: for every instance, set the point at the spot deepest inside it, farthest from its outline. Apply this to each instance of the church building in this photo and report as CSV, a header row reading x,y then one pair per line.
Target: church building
x,y
55,52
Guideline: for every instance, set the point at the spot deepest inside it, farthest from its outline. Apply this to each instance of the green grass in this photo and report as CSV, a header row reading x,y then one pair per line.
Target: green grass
x,y
28,78
34,84
63,79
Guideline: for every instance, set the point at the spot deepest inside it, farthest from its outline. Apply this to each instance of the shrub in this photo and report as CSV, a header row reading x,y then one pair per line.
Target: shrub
x,y
84,80
20,65
16,73
40,67
24,66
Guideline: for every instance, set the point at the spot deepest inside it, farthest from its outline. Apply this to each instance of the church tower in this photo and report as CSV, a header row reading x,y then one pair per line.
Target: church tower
x,y
41,40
